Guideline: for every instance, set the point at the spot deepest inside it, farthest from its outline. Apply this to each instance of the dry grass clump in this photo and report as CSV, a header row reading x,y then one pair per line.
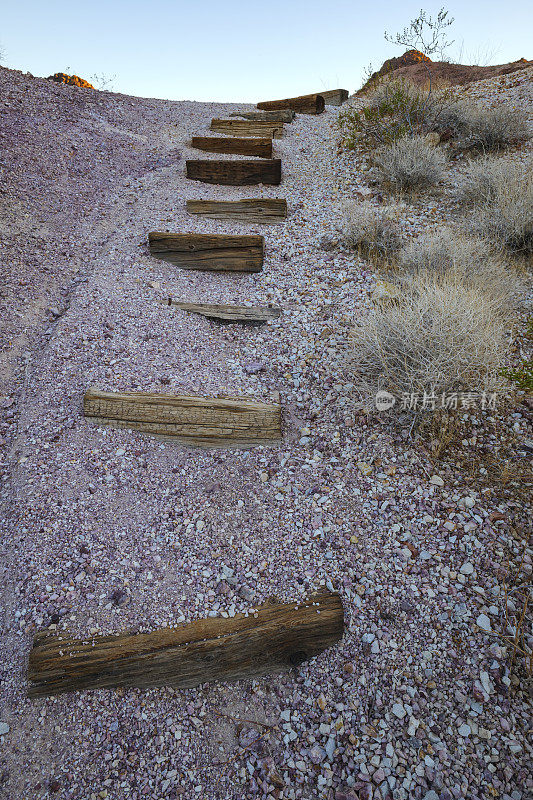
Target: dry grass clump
x,y
487,175
495,128
444,254
448,114
480,125
504,191
410,163
373,230
443,338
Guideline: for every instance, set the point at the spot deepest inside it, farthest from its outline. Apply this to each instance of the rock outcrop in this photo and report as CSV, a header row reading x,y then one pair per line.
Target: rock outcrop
x,y
72,80
409,58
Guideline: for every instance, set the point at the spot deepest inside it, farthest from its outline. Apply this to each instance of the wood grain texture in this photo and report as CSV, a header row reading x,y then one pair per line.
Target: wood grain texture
x,y
264,211
272,638
208,251
197,421
283,115
229,313
242,127
305,104
233,145
335,97
267,171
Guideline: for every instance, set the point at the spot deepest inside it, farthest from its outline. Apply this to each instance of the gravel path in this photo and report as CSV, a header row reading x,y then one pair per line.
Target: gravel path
x,y
110,530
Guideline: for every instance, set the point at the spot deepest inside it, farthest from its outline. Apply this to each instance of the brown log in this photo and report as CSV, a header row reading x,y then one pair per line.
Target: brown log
x,y
273,638
335,97
306,104
209,251
233,145
196,421
229,313
254,211
284,115
236,173
243,127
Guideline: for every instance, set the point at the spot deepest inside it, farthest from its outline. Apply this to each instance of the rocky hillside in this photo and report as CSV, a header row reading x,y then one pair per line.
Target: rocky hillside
x,y
111,530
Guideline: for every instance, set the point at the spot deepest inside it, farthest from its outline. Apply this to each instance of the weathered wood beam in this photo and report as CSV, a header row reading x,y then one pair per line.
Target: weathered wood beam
x,y
229,313
197,421
270,639
335,97
284,115
208,251
233,145
242,127
253,211
236,173
306,104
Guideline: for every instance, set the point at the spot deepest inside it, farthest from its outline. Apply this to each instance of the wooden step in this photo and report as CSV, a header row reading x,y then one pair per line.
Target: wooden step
x,y
284,115
233,145
228,313
335,97
236,173
195,421
272,638
244,127
208,251
253,211
306,104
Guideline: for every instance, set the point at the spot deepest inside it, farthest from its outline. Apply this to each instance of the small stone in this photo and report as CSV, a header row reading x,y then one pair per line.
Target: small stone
x,y
433,139
464,730
378,776
483,622
467,568
4,728
317,754
436,480
398,710
253,367
330,748
364,467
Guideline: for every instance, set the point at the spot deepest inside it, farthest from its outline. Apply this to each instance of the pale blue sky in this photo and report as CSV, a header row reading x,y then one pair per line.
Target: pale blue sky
x,y
232,50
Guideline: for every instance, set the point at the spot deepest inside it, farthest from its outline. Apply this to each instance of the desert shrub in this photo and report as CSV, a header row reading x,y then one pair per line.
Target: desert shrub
x,y
444,254
374,230
448,114
393,109
486,176
495,128
479,125
504,191
442,338
409,163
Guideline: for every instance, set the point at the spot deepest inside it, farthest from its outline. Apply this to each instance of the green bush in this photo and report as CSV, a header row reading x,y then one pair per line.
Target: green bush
x,y
394,109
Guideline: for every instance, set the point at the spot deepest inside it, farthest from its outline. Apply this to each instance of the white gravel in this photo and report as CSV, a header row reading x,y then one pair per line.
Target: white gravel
x,y
110,530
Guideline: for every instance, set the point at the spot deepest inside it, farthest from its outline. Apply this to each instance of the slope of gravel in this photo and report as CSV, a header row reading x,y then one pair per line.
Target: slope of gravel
x,y
110,529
